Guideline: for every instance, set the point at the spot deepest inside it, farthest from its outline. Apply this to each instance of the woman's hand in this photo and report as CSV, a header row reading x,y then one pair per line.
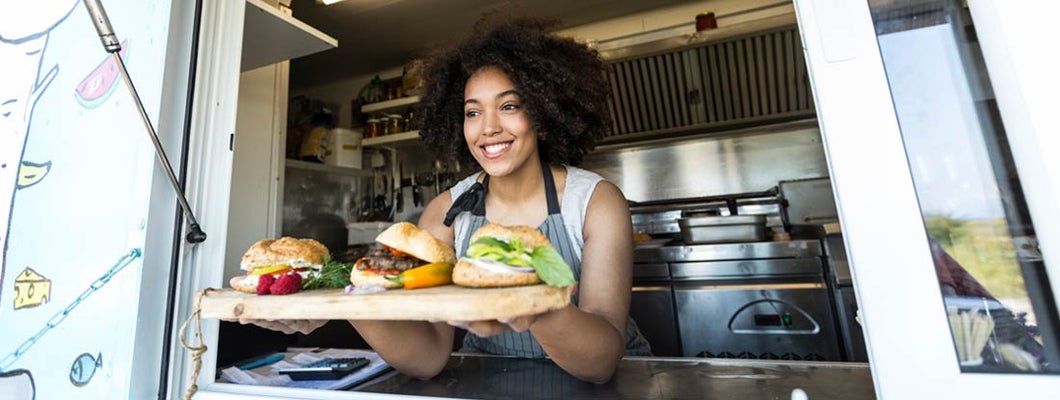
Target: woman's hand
x,y
516,324
288,326
490,328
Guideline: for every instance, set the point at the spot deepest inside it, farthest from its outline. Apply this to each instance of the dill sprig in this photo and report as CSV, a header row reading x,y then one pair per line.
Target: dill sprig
x,y
334,275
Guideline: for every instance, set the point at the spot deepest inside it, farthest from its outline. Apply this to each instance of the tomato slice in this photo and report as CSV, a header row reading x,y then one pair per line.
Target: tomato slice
x,y
397,253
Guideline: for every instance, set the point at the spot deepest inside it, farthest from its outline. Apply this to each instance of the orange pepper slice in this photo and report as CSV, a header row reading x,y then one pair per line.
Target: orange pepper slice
x,y
428,275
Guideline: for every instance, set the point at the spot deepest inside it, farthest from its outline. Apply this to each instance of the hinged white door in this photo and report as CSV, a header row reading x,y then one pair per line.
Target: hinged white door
x,y
937,134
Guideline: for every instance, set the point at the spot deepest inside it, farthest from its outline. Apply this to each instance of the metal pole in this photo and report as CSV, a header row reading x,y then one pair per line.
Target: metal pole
x,y
112,46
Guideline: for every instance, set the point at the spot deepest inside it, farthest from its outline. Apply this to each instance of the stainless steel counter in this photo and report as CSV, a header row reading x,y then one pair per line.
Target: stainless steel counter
x,y
490,377
728,251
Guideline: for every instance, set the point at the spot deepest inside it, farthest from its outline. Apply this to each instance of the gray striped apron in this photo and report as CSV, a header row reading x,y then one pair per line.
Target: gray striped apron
x,y
523,344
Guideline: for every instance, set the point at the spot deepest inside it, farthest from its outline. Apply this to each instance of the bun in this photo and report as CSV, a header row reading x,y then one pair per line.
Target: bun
x,y
286,250
362,278
237,284
466,274
418,243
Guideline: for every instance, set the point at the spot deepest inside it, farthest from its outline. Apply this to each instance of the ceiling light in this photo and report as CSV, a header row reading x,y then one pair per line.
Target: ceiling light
x,y
327,2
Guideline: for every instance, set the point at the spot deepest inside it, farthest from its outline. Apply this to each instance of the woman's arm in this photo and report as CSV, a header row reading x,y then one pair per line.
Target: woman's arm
x,y
599,321
415,348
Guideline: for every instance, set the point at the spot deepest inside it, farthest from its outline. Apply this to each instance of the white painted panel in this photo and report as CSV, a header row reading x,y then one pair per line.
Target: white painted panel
x,y
254,167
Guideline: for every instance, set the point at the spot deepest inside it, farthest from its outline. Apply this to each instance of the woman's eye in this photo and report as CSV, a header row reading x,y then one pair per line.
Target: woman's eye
x,y
509,107
471,114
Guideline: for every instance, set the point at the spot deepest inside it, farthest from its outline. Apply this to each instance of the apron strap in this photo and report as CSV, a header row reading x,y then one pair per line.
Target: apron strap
x,y
550,188
474,199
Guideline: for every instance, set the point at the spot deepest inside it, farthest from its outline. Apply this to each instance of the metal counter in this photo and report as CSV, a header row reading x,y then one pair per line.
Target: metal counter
x,y
728,251
491,377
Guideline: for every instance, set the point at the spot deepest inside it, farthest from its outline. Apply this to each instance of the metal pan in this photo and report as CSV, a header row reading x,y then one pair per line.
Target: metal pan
x,y
723,229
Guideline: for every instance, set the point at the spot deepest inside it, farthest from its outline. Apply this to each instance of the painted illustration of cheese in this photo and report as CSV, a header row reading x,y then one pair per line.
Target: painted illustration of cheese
x,y
31,289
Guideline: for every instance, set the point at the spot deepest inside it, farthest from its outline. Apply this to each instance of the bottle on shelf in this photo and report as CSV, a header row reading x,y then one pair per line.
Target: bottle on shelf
x,y
376,90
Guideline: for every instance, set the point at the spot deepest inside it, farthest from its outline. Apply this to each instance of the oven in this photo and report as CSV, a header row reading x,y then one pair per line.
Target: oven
x,y
763,300
760,309
734,276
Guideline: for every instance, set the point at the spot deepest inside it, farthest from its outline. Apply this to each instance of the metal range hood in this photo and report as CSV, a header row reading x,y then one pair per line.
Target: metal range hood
x,y
747,74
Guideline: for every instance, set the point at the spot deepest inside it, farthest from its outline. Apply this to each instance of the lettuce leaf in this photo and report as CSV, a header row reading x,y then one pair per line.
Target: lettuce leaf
x,y
551,268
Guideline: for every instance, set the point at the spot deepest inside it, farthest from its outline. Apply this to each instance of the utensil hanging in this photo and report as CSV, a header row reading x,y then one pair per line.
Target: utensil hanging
x,y
971,331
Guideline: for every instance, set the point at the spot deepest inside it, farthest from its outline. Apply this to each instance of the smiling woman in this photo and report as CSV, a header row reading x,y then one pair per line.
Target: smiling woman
x,y
530,106
556,85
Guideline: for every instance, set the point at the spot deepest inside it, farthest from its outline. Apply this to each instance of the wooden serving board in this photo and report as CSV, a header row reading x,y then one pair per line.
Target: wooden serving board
x,y
443,303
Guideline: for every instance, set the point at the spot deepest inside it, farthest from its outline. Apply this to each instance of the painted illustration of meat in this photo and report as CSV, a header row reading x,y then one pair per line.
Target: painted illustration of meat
x,y
24,30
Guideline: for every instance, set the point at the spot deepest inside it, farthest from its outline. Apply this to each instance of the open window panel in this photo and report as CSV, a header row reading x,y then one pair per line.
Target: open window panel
x,y
944,191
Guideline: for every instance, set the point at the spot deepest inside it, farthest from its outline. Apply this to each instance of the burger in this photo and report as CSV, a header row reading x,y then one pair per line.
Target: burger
x,y
401,247
277,258
502,256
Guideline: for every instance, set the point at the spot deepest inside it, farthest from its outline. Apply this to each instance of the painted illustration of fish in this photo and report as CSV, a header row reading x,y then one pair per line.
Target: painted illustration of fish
x,y
84,368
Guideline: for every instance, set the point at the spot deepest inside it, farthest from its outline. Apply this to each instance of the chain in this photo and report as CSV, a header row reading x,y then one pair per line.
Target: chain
x,y
61,315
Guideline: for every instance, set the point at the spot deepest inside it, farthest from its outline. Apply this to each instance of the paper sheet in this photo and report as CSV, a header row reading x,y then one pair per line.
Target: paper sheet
x,y
268,376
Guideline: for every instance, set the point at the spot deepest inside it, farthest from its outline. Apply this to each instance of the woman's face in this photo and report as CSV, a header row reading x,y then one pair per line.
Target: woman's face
x,y
496,127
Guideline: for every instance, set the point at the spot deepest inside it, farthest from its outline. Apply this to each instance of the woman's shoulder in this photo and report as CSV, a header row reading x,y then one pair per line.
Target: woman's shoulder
x,y
463,185
582,180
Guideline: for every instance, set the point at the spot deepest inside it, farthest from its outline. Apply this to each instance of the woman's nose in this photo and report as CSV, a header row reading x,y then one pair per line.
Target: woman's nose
x,y
491,124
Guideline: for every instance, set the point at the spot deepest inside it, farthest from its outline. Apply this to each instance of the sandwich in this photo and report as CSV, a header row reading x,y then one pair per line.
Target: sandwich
x,y
269,261
400,248
502,256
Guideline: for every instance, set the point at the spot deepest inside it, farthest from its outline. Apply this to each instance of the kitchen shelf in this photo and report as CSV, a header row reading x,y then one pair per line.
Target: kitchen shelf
x,y
270,36
331,169
389,104
402,139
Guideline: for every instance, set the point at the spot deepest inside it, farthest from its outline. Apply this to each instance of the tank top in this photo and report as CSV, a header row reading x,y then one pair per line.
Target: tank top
x,y
563,227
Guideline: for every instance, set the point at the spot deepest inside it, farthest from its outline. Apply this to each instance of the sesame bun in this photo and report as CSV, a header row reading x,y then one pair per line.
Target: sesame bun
x,y
467,274
298,253
418,243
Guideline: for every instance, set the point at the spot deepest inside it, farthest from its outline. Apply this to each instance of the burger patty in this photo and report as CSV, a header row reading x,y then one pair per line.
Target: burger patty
x,y
382,259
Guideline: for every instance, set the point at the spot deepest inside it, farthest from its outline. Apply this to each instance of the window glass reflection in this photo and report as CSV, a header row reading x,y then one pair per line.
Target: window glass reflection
x,y
981,236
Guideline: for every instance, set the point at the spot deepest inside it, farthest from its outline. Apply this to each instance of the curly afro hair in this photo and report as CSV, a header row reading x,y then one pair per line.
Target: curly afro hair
x,y
562,85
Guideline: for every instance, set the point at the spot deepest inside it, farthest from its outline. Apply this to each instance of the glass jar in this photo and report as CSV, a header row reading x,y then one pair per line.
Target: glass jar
x,y
384,126
373,128
396,124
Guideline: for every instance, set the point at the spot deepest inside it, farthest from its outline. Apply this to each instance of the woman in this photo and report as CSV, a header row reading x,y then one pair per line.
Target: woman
x,y
529,105
521,96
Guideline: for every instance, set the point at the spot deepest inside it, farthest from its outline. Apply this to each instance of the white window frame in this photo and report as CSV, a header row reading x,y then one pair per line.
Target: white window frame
x,y
208,190
910,348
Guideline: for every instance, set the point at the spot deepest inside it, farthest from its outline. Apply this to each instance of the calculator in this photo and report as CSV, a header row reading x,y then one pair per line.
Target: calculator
x,y
326,369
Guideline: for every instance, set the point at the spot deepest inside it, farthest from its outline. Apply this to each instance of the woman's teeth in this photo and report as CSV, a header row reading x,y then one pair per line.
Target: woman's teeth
x,y
495,148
